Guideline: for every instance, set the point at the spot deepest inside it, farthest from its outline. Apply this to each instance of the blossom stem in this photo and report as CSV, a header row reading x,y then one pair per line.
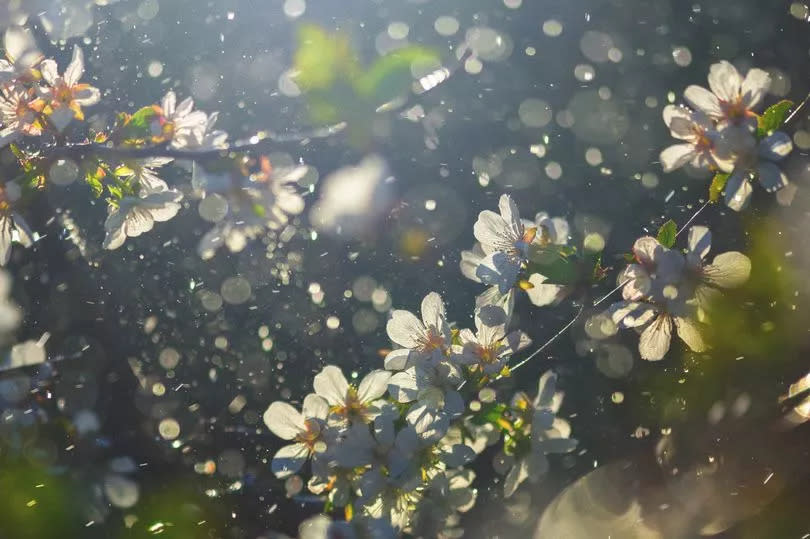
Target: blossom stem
x,y
264,140
798,109
551,340
600,300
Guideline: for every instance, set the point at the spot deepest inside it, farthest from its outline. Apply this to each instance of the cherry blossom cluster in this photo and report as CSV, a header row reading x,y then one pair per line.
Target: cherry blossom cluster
x,y
42,108
392,448
723,133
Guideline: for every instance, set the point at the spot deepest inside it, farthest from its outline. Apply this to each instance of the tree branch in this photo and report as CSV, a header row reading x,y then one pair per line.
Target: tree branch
x,y
263,140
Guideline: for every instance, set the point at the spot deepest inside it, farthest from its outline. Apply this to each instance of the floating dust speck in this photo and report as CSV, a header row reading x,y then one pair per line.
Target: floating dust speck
x,y
617,397
552,28
398,30
235,290
294,8
682,56
155,69
553,170
213,208
169,428
593,156
800,11
121,492
534,112
333,322
211,301
169,358
584,72
446,25
63,172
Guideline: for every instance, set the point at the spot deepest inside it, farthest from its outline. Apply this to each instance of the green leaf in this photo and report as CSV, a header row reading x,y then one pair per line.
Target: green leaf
x,y
322,57
93,179
557,263
718,184
489,413
773,117
666,234
390,76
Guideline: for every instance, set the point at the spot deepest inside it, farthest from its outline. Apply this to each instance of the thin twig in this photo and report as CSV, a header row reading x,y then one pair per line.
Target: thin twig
x,y
262,141
551,340
796,111
694,216
597,302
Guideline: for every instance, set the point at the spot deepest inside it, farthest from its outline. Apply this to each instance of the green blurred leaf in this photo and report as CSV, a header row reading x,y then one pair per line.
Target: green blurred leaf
x,y
718,184
390,76
773,117
666,234
322,57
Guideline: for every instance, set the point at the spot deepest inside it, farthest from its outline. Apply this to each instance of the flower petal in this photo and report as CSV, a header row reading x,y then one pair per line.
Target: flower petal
x,y
546,388
397,360
490,324
331,385
654,342
700,240
75,70
756,84
433,313
689,333
701,98
775,146
289,459
676,156
728,270
543,294
315,406
403,386
373,386
283,420
725,81
470,260
50,71
738,190
631,314
405,329
515,477
771,177
671,112
511,215
5,239
499,269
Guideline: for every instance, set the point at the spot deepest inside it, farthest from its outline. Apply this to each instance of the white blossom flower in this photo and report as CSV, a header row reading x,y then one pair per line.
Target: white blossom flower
x,y
179,123
19,114
551,231
490,347
360,527
667,289
504,240
65,95
547,433
12,225
727,270
360,404
421,341
732,99
250,206
146,176
431,384
437,513
135,215
307,429
700,148
385,449
22,55
761,164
